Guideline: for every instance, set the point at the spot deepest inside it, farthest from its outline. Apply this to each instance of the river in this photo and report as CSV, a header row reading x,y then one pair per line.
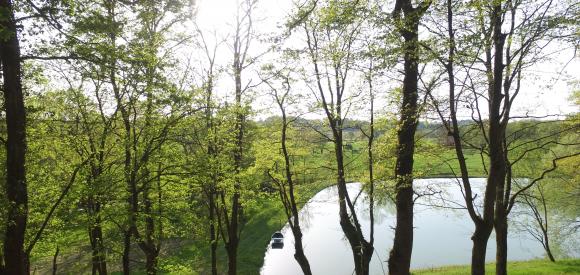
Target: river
x,y
441,235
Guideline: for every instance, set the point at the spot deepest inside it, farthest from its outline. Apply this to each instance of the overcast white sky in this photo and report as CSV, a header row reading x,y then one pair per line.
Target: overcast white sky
x,y
545,90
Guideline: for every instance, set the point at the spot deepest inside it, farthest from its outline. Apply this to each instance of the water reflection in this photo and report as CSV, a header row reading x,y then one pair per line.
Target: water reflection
x,y
277,245
441,237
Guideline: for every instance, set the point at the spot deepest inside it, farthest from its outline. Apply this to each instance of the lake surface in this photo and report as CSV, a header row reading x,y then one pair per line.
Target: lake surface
x,y
441,236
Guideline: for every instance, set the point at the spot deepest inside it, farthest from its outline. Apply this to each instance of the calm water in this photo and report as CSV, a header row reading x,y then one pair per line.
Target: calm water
x,y
441,236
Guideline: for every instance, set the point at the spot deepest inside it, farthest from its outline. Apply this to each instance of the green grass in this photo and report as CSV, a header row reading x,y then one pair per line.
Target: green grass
x,y
536,267
445,164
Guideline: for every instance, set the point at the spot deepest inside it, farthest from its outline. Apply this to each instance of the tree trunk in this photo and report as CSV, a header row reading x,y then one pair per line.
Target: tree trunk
x,y
211,152
131,200
480,238
293,216
299,251
99,262
233,236
148,244
233,232
54,261
400,256
547,248
359,246
15,259
212,233
497,152
1,262
151,262
126,253
501,232
483,225
232,250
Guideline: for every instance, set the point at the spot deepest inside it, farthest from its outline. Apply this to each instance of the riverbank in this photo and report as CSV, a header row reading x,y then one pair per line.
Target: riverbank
x,y
267,217
536,267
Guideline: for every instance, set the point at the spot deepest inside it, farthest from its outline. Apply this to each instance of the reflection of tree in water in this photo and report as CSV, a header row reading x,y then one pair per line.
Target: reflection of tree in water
x,y
383,208
438,195
314,205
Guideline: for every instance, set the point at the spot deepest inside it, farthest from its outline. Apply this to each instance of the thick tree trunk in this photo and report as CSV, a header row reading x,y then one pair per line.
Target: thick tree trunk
x,y
126,253
98,252
98,258
480,238
15,259
501,232
151,262
232,251
233,237
132,211
149,245
132,205
497,152
400,256
99,261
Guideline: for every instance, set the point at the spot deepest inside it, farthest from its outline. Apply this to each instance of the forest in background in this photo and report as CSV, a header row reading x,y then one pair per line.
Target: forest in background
x,y
125,151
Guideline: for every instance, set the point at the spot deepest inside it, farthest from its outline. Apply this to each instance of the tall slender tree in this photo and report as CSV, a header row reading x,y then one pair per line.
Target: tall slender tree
x,y
286,185
331,30
407,19
243,37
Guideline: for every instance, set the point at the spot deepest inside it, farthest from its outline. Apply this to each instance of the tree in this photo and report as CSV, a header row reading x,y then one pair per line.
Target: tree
x,y
407,19
210,189
232,215
538,206
91,134
283,97
15,260
331,31
131,57
370,135
502,57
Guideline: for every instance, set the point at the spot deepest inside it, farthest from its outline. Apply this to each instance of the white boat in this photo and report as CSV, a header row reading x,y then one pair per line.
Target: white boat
x,y
277,237
277,240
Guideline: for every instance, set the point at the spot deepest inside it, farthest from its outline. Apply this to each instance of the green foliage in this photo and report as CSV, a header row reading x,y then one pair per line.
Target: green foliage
x,y
120,95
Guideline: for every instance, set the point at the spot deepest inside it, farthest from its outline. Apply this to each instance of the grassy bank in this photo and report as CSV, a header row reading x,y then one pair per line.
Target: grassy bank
x,y
266,217
536,267
444,164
